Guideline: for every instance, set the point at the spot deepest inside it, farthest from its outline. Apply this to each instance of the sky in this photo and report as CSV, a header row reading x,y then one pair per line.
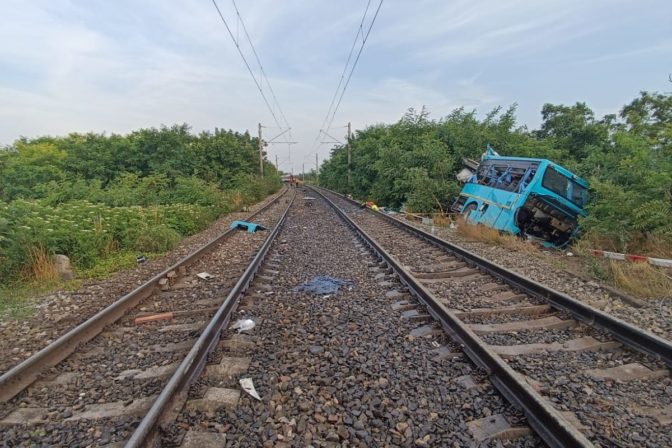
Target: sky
x,y
117,66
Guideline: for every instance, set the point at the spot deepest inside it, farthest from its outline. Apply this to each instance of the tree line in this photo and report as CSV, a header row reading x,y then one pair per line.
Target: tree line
x,y
626,157
95,196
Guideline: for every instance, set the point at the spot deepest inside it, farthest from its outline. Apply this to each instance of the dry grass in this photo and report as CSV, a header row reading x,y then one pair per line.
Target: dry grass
x,y
639,279
42,267
441,220
656,246
479,232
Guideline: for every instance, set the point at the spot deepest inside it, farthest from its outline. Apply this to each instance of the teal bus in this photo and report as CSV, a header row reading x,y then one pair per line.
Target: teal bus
x,y
524,196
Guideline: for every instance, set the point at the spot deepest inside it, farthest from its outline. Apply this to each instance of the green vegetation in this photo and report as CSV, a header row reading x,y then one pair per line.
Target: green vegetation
x,y
627,158
102,200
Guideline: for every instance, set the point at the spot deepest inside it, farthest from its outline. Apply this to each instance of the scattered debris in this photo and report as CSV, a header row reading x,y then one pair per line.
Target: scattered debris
x,y
249,226
371,205
141,259
153,318
323,285
243,325
205,275
248,386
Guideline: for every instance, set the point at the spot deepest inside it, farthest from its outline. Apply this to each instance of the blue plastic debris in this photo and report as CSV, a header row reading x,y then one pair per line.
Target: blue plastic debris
x,y
322,284
249,226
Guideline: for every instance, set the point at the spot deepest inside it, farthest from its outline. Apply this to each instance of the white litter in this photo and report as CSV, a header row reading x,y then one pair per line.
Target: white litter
x,y
243,325
569,254
248,386
205,275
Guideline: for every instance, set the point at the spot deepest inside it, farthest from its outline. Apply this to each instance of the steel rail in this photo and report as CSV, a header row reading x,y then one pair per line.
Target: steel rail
x,y
25,373
634,337
192,365
542,417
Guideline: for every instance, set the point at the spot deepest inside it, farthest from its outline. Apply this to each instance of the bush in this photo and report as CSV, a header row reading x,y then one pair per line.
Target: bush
x,y
95,197
159,238
88,232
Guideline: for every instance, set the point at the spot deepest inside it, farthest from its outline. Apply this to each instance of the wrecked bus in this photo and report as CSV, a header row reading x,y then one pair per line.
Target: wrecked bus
x,y
523,196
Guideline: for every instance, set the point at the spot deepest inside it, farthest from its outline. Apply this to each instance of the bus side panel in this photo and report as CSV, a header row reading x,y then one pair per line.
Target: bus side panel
x,y
495,207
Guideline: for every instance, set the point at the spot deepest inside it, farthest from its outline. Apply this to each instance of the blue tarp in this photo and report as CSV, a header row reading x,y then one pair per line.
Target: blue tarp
x,y
322,284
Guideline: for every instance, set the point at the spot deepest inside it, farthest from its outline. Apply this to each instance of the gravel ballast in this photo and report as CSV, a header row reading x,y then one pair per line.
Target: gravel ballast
x,y
546,266
128,363
60,311
343,369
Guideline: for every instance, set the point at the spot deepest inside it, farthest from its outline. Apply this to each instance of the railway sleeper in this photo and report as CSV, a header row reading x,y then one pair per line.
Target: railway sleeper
x,y
545,323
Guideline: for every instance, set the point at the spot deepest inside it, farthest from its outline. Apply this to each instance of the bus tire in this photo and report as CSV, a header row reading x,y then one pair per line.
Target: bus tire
x,y
468,209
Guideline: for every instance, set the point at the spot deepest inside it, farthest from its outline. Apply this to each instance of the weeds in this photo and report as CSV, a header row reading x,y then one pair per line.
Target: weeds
x,y
639,279
113,263
441,220
15,298
479,232
41,267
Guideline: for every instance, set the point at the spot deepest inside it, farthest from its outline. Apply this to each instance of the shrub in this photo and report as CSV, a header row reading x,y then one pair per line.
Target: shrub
x,y
159,238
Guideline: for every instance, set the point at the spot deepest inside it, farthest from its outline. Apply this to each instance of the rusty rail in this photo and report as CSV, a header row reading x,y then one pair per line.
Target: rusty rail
x,y
25,373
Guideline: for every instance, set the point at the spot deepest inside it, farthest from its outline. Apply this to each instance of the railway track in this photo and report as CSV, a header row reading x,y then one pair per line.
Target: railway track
x,y
133,360
338,368
581,377
382,362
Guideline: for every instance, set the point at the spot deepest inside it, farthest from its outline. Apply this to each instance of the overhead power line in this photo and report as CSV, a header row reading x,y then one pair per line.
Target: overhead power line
x,y
261,67
342,87
360,30
345,87
249,69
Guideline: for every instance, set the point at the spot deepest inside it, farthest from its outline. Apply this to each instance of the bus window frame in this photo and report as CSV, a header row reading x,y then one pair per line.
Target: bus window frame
x,y
566,194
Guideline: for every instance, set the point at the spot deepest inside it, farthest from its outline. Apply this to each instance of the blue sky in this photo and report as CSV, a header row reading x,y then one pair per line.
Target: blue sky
x,y
79,66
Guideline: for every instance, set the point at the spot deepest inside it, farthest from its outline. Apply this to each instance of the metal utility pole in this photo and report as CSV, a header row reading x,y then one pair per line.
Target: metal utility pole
x,y
261,153
317,175
277,167
349,157
303,172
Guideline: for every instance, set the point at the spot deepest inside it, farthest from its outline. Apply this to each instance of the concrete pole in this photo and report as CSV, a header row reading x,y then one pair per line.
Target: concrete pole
x,y
261,153
349,158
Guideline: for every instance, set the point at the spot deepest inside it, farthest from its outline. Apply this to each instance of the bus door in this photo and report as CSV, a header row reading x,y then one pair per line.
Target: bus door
x,y
498,211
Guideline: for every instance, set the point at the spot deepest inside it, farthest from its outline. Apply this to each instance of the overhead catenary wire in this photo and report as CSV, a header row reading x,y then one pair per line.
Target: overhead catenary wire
x,y
354,65
249,69
332,111
261,67
360,30
288,139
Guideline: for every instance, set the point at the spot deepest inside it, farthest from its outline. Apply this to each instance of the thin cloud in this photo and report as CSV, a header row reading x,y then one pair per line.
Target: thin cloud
x,y
118,66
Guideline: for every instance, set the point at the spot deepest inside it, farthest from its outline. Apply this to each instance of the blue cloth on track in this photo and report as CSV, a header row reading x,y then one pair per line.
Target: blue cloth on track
x,y
322,284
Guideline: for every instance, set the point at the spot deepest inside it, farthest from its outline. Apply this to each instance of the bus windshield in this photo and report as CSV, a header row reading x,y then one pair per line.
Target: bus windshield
x,y
562,185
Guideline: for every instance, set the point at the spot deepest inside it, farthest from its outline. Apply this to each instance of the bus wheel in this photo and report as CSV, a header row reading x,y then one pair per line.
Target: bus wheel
x,y
468,209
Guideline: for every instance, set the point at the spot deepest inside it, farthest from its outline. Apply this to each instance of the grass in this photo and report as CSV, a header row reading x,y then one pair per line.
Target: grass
x,y
114,262
488,235
639,279
657,246
441,220
15,300
42,267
